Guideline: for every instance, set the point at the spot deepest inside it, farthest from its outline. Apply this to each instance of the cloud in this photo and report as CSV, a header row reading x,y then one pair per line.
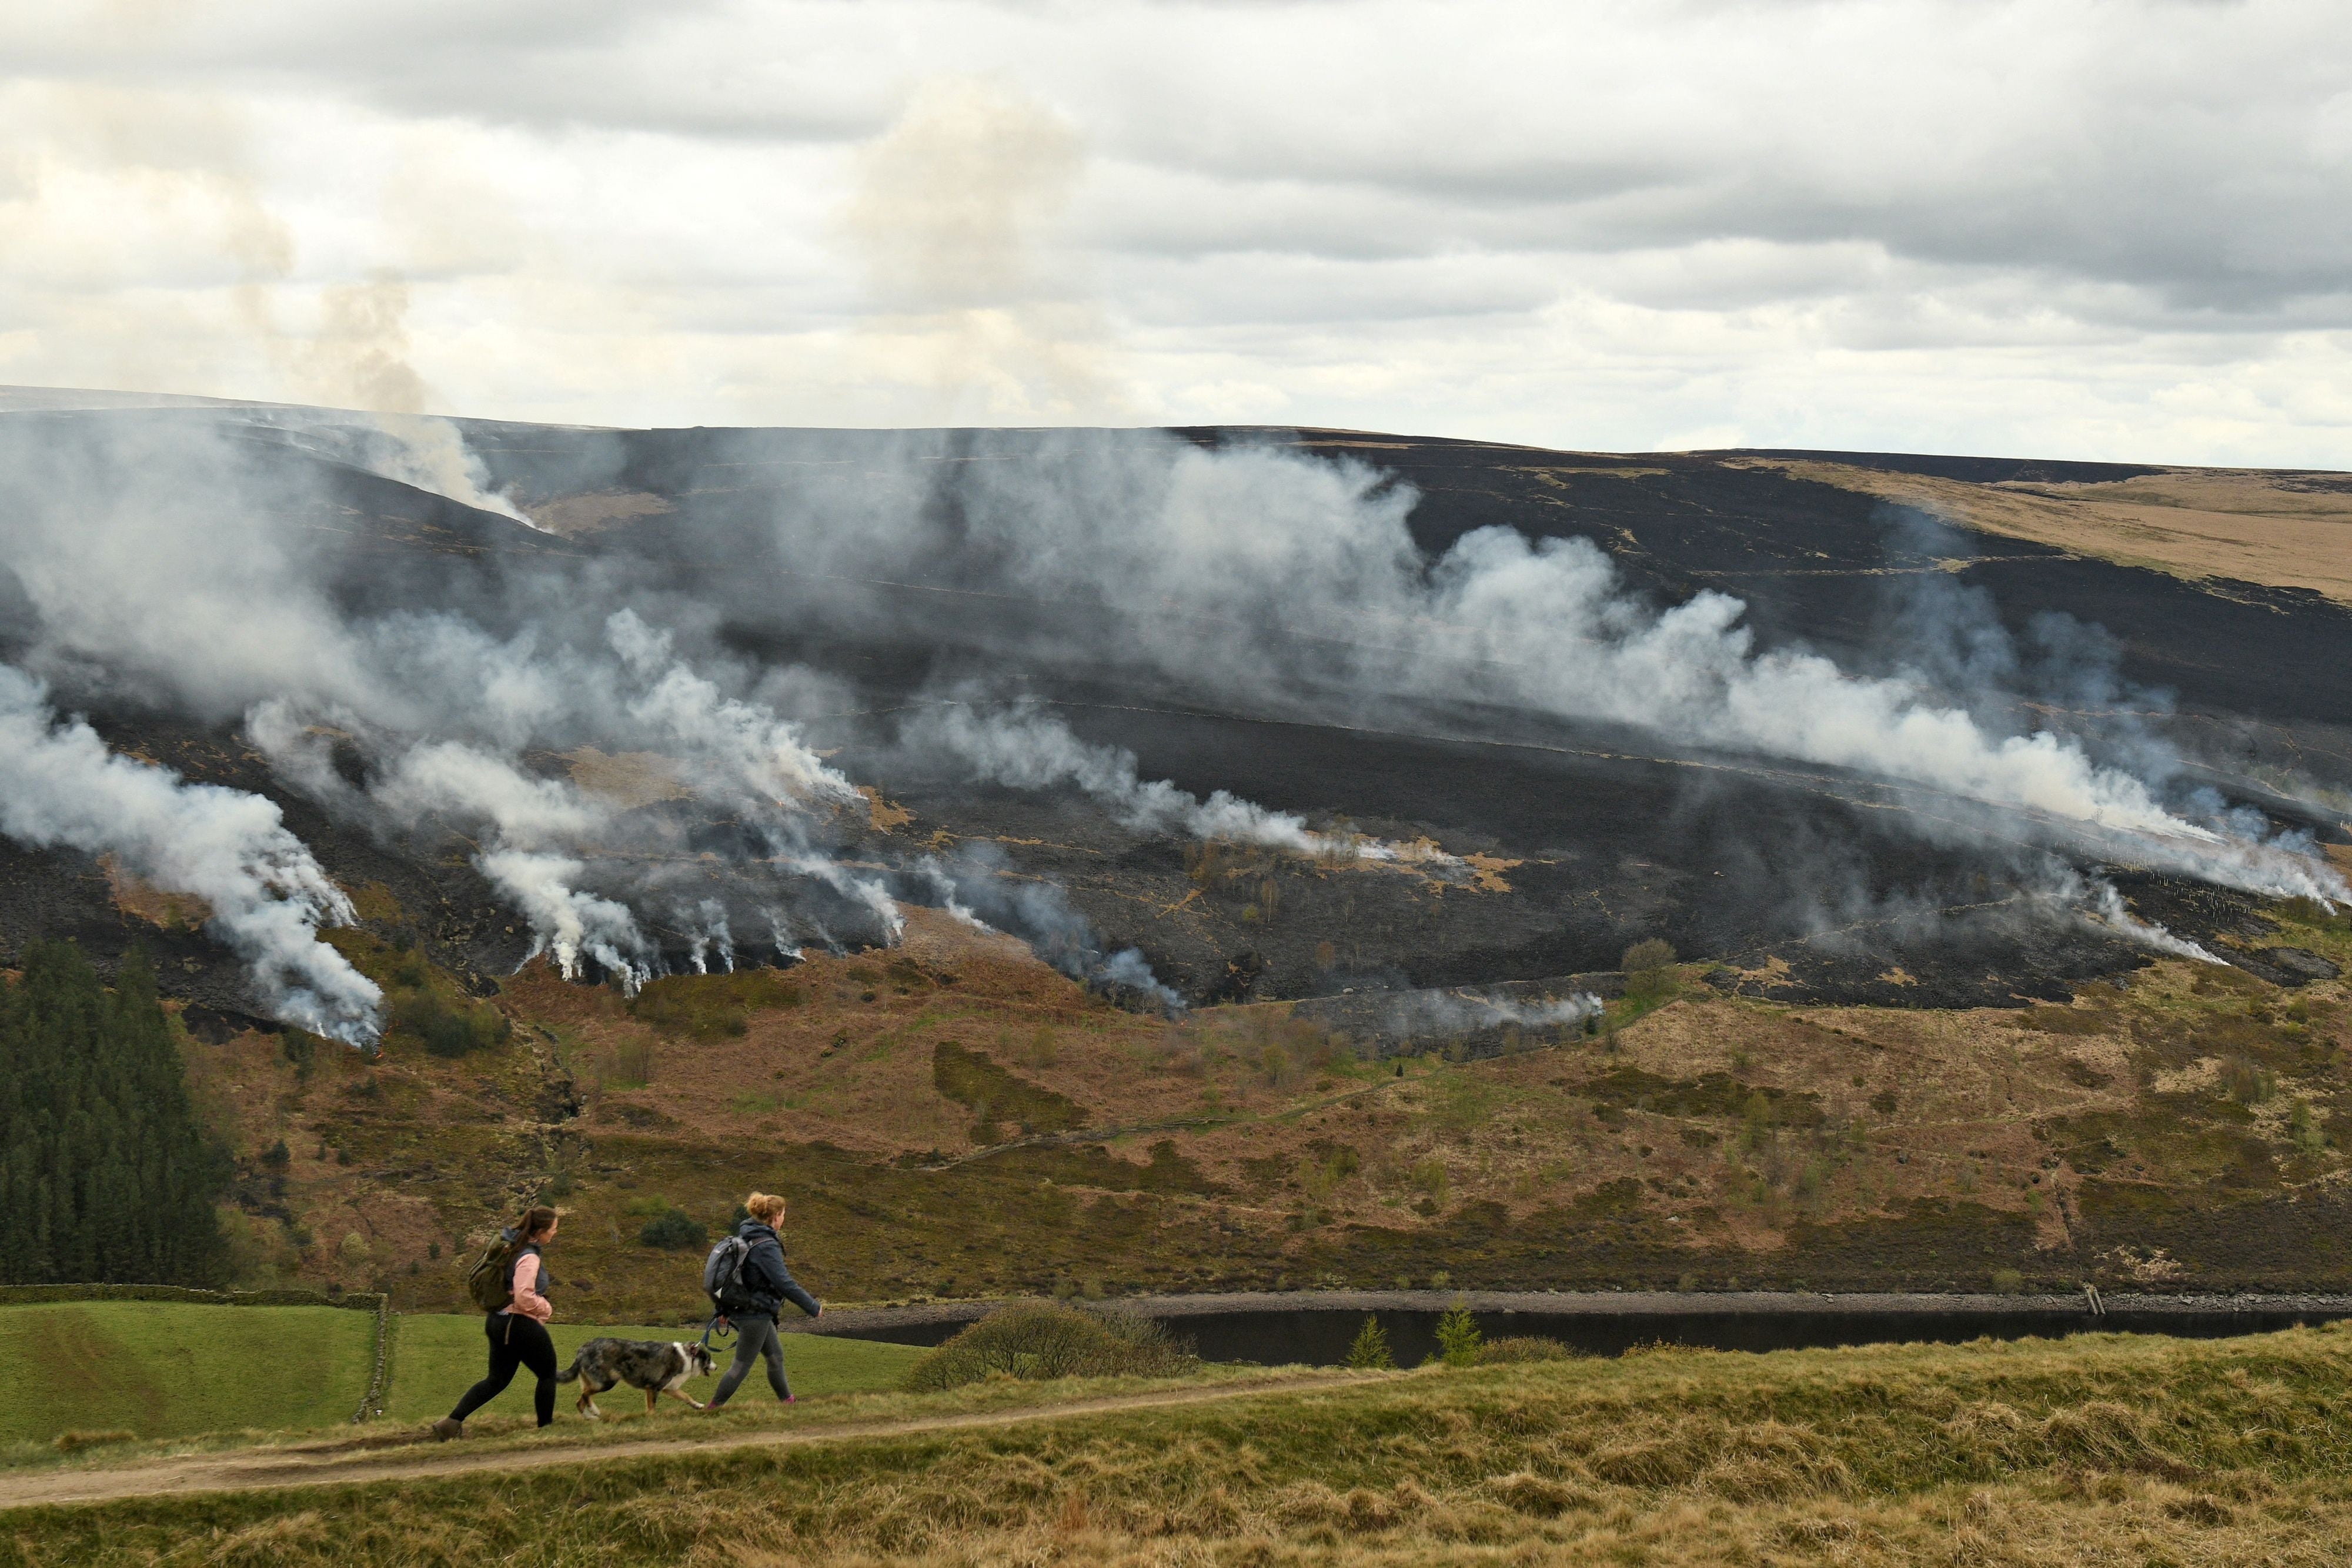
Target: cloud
x,y
2072,229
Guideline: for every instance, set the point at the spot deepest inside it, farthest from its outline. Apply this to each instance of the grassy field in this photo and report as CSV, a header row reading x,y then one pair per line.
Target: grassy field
x,y
163,1369
2093,1450
437,1356
166,1369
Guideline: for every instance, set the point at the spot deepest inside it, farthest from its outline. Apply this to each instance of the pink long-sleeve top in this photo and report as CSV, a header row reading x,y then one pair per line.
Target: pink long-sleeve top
x,y
527,1299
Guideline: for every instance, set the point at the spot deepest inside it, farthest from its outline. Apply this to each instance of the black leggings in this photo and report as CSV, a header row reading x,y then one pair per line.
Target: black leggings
x,y
515,1341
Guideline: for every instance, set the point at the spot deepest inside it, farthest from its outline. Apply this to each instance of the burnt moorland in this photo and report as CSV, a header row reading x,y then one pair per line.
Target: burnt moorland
x,y
1748,1116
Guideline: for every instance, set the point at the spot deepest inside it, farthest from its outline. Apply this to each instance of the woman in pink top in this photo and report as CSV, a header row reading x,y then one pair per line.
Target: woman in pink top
x,y
518,1335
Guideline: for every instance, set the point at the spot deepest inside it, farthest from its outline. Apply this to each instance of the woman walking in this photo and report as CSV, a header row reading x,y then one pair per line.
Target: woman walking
x,y
518,1332
766,1285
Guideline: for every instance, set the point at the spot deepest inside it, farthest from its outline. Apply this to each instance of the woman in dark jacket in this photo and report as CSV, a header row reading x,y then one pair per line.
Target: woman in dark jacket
x,y
519,1333
767,1286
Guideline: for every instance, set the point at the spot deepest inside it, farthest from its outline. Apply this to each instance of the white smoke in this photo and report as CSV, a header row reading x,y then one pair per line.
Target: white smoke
x,y
738,751
431,455
61,785
1295,580
2105,905
565,921
1025,747
1440,1012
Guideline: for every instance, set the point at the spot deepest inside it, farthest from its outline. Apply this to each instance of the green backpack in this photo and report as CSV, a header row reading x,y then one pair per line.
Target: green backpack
x,y
488,1281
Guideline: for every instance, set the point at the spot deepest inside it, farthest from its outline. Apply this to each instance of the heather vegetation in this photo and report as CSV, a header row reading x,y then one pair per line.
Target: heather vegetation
x,y
958,1121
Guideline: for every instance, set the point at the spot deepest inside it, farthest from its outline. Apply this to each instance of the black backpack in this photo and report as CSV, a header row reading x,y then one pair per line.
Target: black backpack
x,y
722,1274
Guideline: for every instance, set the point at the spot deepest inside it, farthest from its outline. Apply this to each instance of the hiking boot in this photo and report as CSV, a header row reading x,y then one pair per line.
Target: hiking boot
x,y
448,1426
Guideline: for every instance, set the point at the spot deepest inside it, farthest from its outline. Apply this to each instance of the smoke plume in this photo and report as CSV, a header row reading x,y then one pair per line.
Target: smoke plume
x,y
61,785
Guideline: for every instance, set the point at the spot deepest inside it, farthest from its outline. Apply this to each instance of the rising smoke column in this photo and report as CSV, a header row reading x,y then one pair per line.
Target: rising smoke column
x,y
61,785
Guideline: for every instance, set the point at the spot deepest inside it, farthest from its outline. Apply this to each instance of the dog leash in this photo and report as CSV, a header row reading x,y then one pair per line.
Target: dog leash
x,y
712,1327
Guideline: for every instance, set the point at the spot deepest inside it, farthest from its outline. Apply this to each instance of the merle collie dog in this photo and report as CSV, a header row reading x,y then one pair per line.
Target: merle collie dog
x,y
649,1364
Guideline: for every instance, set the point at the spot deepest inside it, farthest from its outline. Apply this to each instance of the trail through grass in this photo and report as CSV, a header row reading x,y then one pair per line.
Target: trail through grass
x,y
437,1356
164,1369
2097,1449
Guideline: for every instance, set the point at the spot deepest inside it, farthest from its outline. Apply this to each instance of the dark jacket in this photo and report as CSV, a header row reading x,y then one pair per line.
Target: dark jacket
x,y
767,1280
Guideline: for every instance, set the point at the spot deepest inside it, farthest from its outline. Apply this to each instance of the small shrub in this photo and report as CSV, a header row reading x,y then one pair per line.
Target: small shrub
x,y
1458,1338
2245,1082
673,1231
1035,1342
2007,1281
1370,1352
1513,1348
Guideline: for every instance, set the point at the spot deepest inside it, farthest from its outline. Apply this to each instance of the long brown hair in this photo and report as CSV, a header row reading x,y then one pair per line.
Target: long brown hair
x,y
536,1218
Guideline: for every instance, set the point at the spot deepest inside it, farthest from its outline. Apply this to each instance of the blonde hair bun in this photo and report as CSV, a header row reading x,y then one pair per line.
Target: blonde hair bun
x,y
764,1207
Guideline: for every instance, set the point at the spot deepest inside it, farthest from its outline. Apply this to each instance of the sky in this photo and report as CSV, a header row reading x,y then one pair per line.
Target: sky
x,y
2111,229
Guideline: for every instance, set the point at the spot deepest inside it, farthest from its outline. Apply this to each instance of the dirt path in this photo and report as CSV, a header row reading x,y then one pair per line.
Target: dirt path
x,y
351,1463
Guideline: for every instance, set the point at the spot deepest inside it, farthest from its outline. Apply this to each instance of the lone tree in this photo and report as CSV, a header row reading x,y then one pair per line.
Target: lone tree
x,y
1649,969
1370,1352
105,1175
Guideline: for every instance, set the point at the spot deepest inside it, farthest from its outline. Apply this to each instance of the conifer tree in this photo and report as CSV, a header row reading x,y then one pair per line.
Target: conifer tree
x,y
1370,1352
105,1175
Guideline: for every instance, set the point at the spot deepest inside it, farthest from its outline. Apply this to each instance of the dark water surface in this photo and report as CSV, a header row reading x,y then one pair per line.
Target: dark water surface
x,y
1316,1327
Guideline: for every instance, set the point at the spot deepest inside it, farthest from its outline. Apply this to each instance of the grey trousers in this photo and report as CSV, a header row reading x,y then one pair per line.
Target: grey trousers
x,y
755,1340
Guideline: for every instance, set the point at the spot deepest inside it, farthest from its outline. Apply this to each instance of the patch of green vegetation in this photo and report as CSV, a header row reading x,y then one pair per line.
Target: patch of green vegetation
x,y
1711,1094
1093,1164
994,1095
2199,1142
1036,1342
666,1226
713,1007
424,1006
163,1369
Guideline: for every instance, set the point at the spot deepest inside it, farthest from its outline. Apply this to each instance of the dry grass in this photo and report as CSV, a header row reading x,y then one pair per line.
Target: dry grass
x,y
2248,524
2104,1449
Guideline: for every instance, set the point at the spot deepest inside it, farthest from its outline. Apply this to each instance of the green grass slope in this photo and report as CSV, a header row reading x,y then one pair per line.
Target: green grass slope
x,y
437,1356
167,1369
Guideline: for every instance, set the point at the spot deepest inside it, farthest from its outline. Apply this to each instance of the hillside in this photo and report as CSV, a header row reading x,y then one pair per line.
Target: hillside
x,y
956,1119
1098,861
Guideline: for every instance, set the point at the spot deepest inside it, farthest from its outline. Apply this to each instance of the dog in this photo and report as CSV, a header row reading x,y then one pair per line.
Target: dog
x,y
649,1364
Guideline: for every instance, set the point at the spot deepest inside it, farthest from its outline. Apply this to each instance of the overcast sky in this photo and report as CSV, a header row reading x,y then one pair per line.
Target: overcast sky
x,y
2118,230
